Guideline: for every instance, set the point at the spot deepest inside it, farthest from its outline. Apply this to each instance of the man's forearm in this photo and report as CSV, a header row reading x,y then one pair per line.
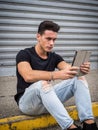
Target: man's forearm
x,y
37,75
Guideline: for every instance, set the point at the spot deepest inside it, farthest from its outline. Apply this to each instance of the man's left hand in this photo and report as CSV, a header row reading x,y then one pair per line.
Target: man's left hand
x,y
85,67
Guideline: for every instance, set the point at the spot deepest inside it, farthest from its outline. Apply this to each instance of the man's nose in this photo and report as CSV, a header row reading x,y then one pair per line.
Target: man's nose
x,y
51,42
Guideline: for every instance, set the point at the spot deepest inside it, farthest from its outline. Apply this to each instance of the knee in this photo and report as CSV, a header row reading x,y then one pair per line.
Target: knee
x,y
83,79
46,86
45,83
42,86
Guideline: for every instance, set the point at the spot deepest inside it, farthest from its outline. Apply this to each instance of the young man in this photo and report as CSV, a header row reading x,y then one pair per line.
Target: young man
x,y
35,92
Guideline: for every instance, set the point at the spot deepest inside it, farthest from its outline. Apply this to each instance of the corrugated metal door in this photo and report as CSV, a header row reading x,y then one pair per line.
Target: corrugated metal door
x,y
20,18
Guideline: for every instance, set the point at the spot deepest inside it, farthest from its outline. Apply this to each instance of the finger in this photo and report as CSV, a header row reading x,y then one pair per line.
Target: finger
x,y
84,67
74,68
85,70
72,72
86,63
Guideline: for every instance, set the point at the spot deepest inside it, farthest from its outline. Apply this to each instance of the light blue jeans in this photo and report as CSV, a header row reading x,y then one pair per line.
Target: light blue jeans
x,y
38,100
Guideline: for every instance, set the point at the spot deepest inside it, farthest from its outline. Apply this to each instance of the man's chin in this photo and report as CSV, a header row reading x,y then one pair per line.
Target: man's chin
x,y
49,50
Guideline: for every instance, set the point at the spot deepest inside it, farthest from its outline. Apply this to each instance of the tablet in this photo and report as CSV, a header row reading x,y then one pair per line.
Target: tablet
x,y
80,57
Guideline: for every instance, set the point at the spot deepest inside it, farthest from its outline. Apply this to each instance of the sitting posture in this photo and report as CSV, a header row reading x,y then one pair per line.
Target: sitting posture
x,y
37,69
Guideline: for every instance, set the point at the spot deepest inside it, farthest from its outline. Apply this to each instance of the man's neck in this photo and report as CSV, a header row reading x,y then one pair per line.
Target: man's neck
x,y
40,52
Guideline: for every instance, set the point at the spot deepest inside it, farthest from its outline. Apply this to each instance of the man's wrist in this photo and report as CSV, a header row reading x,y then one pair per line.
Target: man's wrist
x,y
52,76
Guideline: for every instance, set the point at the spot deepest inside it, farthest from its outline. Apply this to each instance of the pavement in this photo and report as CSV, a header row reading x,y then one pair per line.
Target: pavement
x,y
12,119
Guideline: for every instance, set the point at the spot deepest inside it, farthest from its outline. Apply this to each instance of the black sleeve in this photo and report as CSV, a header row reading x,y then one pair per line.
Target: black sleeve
x,y
22,56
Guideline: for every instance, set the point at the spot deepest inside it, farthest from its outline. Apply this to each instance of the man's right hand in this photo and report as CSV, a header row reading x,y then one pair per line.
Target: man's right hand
x,y
67,73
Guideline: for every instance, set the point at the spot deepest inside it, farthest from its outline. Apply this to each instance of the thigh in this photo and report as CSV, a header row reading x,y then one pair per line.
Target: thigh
x,y
64,89
31,103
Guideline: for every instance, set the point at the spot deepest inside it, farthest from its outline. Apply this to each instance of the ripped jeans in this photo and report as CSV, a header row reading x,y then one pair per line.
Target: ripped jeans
x,y
39,99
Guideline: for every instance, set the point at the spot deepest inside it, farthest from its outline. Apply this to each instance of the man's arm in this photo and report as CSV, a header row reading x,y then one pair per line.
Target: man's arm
x,y
30,75
63,65
85,67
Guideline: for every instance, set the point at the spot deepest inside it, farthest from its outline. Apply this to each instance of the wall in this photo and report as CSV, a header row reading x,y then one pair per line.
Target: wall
x,y
20,18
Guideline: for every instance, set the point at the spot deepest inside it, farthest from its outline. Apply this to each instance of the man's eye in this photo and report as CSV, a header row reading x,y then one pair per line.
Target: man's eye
x,y
54,39
48,39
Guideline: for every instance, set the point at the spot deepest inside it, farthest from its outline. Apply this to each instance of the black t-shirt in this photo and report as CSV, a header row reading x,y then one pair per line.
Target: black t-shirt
x,y
37,63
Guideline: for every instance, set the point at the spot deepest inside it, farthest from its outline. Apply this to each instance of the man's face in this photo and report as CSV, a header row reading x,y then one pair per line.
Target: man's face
x,y
46,40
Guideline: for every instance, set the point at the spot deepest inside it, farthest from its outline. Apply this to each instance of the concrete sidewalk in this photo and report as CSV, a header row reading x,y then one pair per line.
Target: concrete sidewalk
x,y
11,116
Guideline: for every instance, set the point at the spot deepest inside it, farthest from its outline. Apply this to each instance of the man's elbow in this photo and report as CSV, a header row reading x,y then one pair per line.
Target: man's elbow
x,y
28,79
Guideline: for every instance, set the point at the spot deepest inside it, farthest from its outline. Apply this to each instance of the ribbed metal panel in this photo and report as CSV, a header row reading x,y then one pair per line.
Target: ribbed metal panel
x,y
20,18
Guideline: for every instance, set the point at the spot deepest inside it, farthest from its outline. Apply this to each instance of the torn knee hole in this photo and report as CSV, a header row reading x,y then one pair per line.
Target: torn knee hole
x,y
46,85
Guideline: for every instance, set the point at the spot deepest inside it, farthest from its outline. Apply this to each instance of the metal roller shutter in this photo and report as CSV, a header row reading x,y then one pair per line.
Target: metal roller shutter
x,y
19,20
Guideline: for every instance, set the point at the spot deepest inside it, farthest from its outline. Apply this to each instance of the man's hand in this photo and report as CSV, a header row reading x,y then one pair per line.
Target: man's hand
x,y
85,67
67,73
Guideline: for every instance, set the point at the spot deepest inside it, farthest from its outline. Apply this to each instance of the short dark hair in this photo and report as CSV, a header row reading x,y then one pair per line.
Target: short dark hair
x,y
48,25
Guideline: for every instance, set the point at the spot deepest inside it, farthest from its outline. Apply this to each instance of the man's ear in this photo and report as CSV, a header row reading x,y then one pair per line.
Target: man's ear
x,y
38,36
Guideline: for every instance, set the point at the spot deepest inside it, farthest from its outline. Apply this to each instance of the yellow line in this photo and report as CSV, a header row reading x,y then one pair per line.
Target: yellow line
x,y
95,109
31,123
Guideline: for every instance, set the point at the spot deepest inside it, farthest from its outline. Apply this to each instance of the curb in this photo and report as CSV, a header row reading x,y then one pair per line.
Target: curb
x,y
23,122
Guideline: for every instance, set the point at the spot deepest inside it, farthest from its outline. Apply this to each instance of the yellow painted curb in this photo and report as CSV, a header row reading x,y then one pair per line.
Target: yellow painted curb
x,y
34,123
